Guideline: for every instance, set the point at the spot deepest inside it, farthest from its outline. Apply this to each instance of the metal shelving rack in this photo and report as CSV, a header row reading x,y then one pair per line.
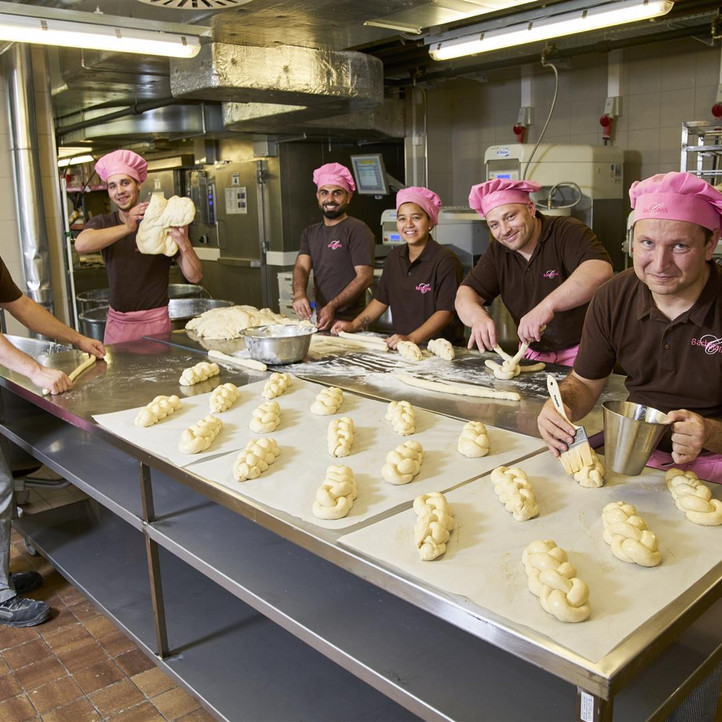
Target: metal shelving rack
x,y
702,150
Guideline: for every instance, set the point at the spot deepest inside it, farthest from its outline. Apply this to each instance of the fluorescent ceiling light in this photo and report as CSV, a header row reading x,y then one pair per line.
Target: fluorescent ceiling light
x,y
581,21
75,160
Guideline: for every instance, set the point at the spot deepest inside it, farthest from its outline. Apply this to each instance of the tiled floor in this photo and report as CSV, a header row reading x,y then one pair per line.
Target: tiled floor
x,y
77,666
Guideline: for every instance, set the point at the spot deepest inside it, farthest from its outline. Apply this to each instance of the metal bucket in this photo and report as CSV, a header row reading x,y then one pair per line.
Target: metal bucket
x,y
187,290
182,310
92,299
92,322
278,344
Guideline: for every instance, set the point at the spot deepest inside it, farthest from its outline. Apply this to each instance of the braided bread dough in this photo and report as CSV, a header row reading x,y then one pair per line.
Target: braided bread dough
x,y
328,401
442,348
277,384
433,526
694,498
515,492
402,417
200,436
266,417
157,410
409,351
591,477
258,455
340,436
403,463
223,397
509,367
200,372
473,441
553,579
627,534
335,496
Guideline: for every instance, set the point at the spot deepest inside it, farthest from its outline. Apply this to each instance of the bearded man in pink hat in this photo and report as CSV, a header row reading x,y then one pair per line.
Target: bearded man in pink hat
x,y
661,322
138,282
545,268
339,250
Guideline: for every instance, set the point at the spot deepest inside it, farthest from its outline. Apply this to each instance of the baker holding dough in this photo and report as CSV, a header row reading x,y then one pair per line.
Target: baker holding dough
x,y
419,279
545,268
138,282
661,321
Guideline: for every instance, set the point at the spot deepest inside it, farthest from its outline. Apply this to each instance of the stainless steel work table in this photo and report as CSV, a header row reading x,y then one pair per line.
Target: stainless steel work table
x,y
295,626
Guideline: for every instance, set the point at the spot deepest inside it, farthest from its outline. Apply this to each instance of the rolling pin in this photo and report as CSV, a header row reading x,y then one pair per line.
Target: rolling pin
x,y
76,371
245,362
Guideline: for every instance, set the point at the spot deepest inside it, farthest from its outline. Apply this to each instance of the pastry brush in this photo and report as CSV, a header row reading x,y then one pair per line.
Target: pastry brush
x,y
579,453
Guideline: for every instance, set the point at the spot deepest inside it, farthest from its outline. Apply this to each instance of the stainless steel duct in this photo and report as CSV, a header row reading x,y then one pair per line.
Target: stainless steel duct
x,y
32,231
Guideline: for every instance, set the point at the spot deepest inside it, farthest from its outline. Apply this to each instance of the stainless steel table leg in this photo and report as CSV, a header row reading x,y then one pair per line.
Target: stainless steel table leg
x,y
591,708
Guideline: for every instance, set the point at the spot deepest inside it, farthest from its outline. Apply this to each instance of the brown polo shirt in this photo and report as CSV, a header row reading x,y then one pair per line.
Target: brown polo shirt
x,y
138,281
564,244
415,291
669,364
334,251
9,291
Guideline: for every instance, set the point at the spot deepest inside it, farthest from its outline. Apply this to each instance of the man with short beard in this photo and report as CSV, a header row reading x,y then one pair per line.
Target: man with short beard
x,y
339,249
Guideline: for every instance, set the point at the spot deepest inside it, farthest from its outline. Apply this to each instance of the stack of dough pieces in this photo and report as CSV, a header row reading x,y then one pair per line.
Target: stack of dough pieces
x,y
266,417
200,372
153,236
473,441
553,579
433,526
591,477
515,492
442,348
228,322
409,350
258,455
403,463
157,410
277,384
328,401
340,436
336,495
223,397
694,498
628,536
402,417
200,436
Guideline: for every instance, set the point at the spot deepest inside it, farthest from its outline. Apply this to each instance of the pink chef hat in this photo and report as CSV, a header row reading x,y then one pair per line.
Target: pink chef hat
x,y
677,196
498,192
334,174
122,161
424,198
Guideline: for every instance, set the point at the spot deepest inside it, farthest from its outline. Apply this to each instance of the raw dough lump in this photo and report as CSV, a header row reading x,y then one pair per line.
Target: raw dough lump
x,y
442,348
515,492
458,389
335,496
402,417
266,417
694,498
157,410
228,322
403,463
200,436
340,436
553,579
328,401
153,236
258,455
433,526
200,372
223,397
592,476
627,534
409,350
277,384
473,440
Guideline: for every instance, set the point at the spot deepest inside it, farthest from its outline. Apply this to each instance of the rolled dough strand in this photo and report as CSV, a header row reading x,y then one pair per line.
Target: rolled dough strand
x,y
458,389
245,362
76,371
371,342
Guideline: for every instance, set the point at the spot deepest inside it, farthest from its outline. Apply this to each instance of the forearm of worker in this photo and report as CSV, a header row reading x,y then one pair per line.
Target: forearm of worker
x,y
95,239
691,433
431,327
371,313
18,361
190,265
364,276
470,307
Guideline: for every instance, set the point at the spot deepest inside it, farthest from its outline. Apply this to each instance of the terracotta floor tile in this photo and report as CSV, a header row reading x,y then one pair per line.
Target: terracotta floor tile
x,y
116,643
12,636
144,712
134,662
81,654
99,625
152,682
175,703
117,698
98,675
34,651
83,610
9,687
17,709
4,669
68,634
36,675
60,619
70,595
55,694
198,715
79,711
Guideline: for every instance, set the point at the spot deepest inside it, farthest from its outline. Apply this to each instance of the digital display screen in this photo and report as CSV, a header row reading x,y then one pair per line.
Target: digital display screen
x,y
370,174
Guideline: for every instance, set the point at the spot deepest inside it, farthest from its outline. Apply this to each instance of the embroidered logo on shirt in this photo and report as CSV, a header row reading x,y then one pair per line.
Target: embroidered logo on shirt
x,y
550,274
423,287
709,343
335,245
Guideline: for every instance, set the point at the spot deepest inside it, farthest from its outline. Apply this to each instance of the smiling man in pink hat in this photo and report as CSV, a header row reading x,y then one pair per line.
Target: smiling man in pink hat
x,y
138,282
545,268
661,322
339,249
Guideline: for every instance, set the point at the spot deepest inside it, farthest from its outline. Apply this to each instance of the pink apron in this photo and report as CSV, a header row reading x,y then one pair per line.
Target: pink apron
x,y
563,358
707,466
133,325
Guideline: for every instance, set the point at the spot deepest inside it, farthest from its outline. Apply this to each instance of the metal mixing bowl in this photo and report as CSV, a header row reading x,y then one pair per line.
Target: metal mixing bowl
x,y
278,343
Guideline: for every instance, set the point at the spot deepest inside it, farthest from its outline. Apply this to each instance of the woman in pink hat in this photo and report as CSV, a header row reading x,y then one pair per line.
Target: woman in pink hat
x,y
419,279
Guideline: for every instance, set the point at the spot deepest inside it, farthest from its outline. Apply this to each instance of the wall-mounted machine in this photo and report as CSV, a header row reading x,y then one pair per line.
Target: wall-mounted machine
x,y
371,176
